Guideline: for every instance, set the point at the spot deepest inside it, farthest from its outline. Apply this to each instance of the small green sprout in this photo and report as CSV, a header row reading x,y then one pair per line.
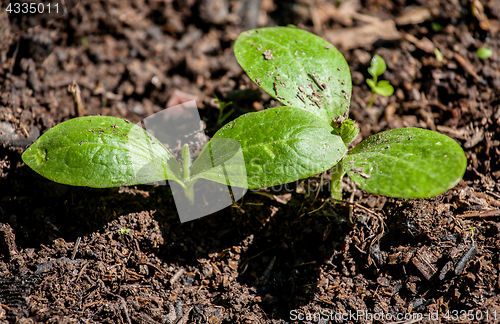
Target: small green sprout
x,y
85,41
484,52
124,230
307,136
438,54
472,229
383,87
436,27
222,106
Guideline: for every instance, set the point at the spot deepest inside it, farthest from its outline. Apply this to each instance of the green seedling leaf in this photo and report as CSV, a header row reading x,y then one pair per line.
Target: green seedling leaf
x,y
297,68
384,88
484,53
371,83
406,163
438,54
100,152
279,145
348,131
377,66
436,27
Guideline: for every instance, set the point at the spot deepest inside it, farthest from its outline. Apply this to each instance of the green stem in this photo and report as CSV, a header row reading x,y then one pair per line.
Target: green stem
x,y
370,104
221,120
338,173
221,111
187,160
189,192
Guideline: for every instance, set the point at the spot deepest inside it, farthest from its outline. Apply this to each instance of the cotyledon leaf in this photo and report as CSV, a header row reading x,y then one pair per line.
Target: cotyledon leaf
x,y
297,68
406,163
100,152
279,145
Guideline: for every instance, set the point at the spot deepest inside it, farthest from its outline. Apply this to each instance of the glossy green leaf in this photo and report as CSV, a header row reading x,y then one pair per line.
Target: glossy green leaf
x,y
384,88
377,66
297,68
99,152
279,145
406,163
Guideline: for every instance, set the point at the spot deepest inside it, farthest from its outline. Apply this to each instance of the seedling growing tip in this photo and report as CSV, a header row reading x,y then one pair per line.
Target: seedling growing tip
x,y
383,87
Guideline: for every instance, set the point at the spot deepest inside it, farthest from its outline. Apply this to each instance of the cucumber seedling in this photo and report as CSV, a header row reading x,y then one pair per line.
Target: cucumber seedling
x,y
305,137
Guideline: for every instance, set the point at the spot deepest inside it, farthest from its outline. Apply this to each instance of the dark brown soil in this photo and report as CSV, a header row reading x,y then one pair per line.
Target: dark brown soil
x,y
269,256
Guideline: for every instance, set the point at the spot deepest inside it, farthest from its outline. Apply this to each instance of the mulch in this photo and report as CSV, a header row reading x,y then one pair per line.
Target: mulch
x,y
121,255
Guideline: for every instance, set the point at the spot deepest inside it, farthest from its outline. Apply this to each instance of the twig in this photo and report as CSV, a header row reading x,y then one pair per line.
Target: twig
x,y
81,270
183,319
491,193
265,276
14,57
75,247
25,132
481,214
77,99
467,66
123,307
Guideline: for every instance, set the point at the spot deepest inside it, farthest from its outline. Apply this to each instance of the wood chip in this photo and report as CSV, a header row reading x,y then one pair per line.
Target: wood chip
x,y
364,36
413,15
424,44
467,66
425,262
